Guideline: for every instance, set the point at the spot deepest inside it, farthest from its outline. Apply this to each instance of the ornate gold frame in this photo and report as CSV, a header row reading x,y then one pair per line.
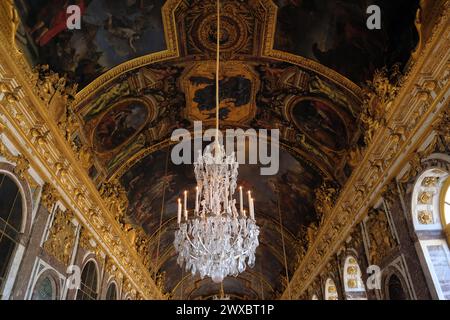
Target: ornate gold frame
x,y
151,113
289,116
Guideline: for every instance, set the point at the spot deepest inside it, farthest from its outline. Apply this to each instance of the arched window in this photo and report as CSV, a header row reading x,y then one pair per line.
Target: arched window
x,y
45,289
111,293
10,223
353,284
395,289
331,290
430,223
88,285
314,297
444,199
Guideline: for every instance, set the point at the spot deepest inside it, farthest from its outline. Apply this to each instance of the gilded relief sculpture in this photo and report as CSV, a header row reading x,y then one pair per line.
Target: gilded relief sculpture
x,y
87,116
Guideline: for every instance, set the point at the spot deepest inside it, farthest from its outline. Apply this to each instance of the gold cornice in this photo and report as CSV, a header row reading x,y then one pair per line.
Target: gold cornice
x,y
408,124
67,197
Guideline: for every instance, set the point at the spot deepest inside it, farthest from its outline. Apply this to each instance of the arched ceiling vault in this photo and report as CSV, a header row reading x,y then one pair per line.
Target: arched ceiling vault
x,y
145,68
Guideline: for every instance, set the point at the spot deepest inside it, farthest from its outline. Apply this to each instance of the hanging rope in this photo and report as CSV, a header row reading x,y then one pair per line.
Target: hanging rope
x,y
217,69
162,210
261,282
284,246
182,284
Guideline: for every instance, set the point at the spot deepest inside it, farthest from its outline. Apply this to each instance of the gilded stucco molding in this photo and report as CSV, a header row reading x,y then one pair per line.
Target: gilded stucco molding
x,y
27,124
408,121
21,164
10,21
61,238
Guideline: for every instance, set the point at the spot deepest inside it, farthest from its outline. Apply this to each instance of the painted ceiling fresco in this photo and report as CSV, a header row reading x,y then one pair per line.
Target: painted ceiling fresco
x,y
112,32
335,34
128,120
321,122
119,124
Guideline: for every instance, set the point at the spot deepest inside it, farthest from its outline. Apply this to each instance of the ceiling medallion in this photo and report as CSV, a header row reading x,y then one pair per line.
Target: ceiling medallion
x,y
236,29
231,37
216,240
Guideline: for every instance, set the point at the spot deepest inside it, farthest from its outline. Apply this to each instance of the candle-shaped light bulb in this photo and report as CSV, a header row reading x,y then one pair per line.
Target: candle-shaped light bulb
x,y
185,206
179,211
252,209
241,200
196,200
244,213
249,200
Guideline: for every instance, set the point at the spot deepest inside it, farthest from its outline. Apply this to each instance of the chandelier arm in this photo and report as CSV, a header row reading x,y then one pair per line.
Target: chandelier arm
x,y
194,246
193,257
203,245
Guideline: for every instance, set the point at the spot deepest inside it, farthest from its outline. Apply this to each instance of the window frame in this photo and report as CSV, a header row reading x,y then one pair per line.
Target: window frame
x,y
81,289
18,232
53,282
116,290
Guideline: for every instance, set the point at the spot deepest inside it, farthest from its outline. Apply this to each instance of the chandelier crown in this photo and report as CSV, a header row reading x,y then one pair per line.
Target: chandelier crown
x,y
216,170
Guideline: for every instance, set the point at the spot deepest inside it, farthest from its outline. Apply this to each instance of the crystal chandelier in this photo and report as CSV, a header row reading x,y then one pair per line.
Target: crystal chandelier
x,y
216,240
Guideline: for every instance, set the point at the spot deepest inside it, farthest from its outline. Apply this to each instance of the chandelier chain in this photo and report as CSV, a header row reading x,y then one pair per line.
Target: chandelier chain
x,y
217,68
